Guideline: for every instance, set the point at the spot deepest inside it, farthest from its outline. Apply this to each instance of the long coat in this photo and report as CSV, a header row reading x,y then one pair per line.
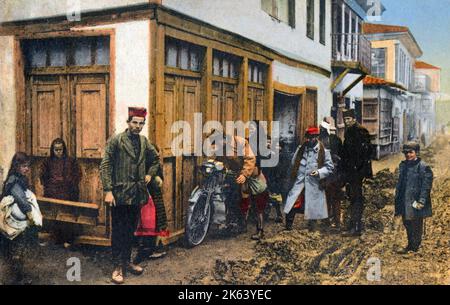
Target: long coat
x,y
315,199
123,172
357,153
414,184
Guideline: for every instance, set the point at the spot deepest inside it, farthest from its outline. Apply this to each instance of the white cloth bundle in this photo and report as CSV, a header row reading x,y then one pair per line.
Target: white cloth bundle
x,y
11,222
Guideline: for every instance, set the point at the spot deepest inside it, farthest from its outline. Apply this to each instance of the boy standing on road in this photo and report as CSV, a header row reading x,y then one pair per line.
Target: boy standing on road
x,y
412,196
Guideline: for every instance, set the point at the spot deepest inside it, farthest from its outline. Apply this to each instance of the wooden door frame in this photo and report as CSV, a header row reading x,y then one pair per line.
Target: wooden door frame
x,y
23,121
299,91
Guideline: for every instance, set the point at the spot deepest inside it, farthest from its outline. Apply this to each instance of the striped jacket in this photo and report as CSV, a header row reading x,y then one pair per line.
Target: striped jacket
x,y
123,173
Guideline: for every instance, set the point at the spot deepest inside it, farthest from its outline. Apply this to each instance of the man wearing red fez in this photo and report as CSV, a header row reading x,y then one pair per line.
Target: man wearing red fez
x,y
357,165
130,163
311,164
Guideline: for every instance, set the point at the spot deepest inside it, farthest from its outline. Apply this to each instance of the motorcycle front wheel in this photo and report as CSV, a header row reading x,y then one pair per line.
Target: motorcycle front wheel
x,y
198,221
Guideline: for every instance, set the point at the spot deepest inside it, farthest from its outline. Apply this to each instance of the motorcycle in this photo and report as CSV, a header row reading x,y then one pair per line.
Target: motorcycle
x,y
207,203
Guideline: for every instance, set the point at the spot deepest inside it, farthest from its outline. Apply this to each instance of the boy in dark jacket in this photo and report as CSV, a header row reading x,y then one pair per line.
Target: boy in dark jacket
x,y
412,196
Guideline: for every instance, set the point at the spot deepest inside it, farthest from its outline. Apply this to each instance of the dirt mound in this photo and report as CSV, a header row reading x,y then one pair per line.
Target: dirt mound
x,y
297,257
379,191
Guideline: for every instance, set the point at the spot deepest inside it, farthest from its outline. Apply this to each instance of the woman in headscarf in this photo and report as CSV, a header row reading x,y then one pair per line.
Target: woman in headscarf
x,y
60,177
60,174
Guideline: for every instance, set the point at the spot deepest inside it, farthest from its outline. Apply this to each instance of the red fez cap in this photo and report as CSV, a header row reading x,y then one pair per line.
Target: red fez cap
x,y
313,131
137,111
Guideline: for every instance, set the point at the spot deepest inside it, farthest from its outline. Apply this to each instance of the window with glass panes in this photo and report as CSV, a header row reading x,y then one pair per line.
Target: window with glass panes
x,y
225,65
183,55
379,62
63,52
256,72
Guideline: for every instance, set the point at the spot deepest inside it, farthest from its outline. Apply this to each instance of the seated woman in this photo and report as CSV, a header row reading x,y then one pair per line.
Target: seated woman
x,y
60,174
15,250
60,177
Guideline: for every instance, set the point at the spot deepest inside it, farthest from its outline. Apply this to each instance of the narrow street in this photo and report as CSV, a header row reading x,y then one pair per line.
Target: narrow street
x,y
297,257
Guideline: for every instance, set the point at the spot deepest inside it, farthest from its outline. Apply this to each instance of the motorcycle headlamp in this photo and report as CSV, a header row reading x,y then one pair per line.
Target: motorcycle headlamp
x,y
207,168
219,166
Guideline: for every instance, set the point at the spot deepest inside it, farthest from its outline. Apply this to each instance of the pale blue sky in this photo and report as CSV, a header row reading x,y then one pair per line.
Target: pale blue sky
x,y
429,22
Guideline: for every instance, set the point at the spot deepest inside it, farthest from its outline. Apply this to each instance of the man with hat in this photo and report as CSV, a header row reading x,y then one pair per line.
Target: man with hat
x,y
129,164
357,165
311,163
412,196
334,182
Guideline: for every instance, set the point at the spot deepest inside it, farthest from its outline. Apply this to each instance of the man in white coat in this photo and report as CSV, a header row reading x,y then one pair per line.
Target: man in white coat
x,y
311,164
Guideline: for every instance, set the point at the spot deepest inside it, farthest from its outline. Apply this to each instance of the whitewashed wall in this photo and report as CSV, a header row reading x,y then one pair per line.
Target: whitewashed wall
x,y
7,103
249,20
132,78
29,9
299,77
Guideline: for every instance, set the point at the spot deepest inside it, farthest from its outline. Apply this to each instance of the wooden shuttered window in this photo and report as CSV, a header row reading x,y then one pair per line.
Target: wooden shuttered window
x,y
322,21
292,13
90,120
47,112
282,10
73,108
310,19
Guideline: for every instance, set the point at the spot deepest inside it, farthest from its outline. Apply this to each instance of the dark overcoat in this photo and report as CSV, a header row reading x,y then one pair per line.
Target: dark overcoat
x,y
357,153
414,184
123,173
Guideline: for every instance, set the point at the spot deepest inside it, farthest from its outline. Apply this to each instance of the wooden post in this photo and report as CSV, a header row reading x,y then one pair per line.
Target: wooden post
x,y
243,84
343,46
269,97
206,97
23,122
156,103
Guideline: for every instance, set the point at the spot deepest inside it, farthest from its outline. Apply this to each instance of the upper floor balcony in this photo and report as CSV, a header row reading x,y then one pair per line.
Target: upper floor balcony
x,y
353,51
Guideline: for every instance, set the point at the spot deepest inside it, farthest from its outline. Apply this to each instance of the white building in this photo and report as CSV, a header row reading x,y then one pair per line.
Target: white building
x,y
427,87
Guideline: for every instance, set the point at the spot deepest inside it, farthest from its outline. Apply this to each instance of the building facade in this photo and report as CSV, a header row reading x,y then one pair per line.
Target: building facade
x,y
427,87
72,74
389,109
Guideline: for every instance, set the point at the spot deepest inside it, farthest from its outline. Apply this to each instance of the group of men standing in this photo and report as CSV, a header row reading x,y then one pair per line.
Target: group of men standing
x,y
322,166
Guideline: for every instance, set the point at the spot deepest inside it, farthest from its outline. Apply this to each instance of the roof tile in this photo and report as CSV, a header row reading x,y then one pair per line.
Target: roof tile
x,y
372,28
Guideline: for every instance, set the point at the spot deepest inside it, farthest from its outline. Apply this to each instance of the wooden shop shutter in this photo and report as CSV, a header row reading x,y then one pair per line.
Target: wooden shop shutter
x,y
91,120
47,117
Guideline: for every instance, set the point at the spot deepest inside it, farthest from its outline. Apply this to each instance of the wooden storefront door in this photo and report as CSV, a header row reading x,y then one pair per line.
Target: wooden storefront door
x,y
224,102
72,107
256,103
181,102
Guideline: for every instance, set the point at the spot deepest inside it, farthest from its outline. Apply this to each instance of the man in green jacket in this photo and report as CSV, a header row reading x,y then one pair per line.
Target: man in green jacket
x,y
129,164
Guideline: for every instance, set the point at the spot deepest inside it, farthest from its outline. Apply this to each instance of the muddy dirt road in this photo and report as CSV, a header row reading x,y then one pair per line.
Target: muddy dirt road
x,y
297,257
